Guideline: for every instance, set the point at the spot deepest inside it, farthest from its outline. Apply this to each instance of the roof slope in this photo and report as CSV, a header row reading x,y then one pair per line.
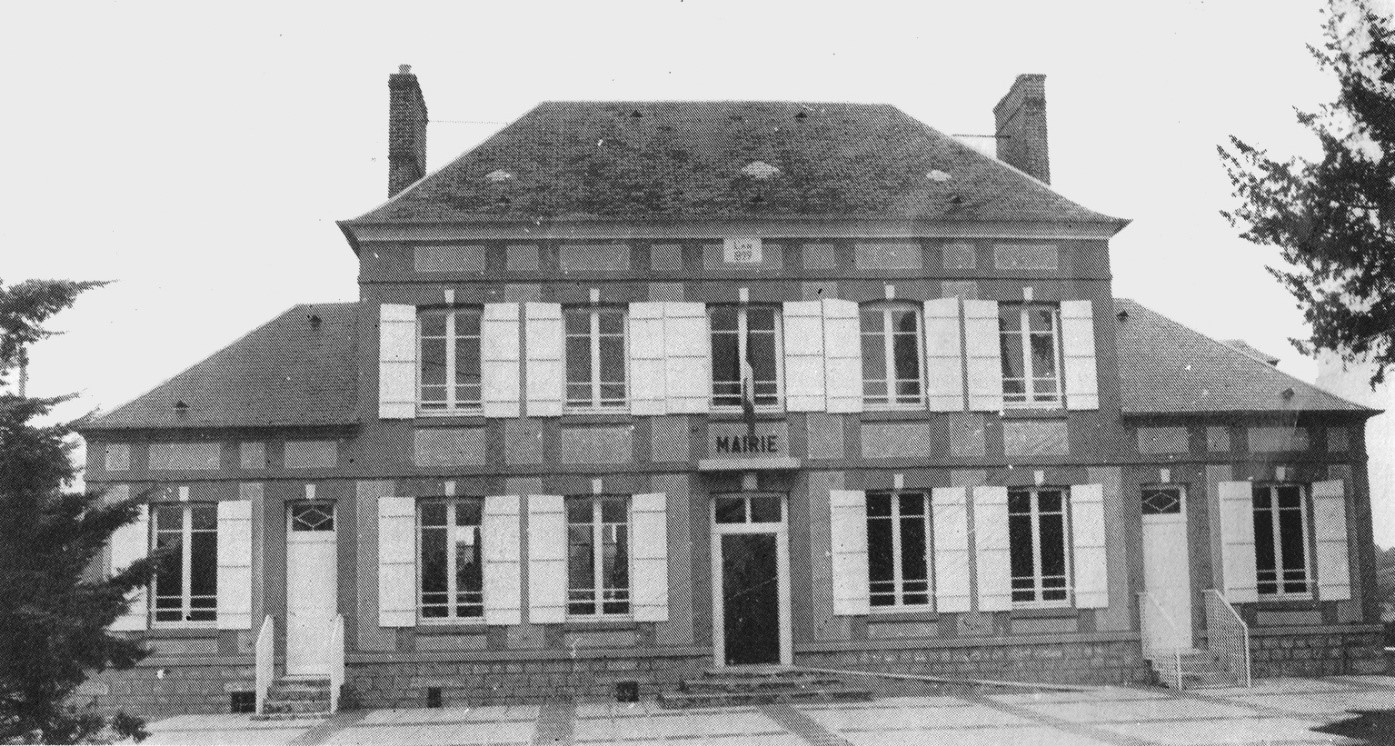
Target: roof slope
x,y
1166,367
286,372
685,160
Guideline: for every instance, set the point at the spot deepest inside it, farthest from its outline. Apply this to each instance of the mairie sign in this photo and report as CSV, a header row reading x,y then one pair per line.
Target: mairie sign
x,y
727,439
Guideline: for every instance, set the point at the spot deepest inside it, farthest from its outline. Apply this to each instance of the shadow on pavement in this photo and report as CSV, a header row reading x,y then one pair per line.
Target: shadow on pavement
x,y
1370,726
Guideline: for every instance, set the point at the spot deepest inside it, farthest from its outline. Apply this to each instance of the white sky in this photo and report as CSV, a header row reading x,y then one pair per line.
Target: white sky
x,y
200,157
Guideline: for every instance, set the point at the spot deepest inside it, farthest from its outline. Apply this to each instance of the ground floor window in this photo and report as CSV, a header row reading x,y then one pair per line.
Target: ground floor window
x,y
1281,540
1037,539
452,560
598,555
186,585
898,531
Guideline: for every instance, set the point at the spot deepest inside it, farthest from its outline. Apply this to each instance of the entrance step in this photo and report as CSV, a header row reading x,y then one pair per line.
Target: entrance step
x,y
296,699
755,685
1201,669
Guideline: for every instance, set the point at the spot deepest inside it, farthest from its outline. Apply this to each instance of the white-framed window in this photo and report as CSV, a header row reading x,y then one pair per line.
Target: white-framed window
x,y
1031,353
1038,539
598,555
595,357
1282,560
185,587
752,334
451,577
892,367
448,351
898,549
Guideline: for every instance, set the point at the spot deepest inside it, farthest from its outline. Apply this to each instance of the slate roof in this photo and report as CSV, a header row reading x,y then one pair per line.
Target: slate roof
x,y
287,372
685,160
1166,368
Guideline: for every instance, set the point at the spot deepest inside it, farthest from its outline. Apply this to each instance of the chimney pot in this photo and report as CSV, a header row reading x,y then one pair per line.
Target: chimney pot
x,y
404,69
406,130
1021,127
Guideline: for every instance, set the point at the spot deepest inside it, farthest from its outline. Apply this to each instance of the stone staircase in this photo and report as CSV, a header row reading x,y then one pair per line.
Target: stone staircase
x,y
1201,669
296,699
752,685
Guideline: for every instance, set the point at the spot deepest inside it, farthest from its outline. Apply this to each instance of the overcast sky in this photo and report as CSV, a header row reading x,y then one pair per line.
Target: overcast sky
x,y
199,157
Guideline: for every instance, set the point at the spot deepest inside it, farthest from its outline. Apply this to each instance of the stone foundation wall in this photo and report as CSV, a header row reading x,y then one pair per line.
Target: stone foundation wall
x,y
182,689
1114,662
1294,653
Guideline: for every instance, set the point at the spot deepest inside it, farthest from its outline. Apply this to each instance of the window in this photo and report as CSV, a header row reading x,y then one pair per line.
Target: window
x,y
750,333
1037,542
449,355
1281,540
1162,501
1031,354
898,531
186,585
748,509
595,358
452,560
598,555
891,367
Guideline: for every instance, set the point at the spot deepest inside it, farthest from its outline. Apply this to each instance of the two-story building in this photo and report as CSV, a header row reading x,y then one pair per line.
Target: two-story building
x,y
635,389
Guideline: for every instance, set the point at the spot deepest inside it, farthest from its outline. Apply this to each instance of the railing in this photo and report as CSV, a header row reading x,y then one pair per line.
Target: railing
x,y
266,661
1227,635
336,662
1153,620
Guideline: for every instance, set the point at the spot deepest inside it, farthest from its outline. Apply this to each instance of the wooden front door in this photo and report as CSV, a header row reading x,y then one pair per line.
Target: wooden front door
x,y
750,580
312,587
1167,563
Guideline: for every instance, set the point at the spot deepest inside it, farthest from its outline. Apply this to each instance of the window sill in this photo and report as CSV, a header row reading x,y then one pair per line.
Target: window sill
x,y
1034,413
452,628
200,630
451,419
762,413
901,614
1044,611
894,415
626,624
1287,603
597,416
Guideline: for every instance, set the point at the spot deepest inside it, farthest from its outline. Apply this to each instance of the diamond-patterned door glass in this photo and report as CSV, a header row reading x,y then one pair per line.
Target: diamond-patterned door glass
x,y
1162,500
312,517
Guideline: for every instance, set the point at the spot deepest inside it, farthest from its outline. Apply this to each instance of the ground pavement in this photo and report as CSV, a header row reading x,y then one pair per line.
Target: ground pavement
x,y
1335,710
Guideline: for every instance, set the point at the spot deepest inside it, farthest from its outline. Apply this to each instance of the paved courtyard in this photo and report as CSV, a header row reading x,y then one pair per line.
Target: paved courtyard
x,y
1337,710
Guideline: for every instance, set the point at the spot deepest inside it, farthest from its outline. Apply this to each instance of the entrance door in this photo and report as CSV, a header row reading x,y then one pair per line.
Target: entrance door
x,y
750,580
1167,563
311,588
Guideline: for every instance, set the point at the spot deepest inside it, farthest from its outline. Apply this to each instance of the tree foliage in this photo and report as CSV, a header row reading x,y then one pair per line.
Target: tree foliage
x,y
1333,219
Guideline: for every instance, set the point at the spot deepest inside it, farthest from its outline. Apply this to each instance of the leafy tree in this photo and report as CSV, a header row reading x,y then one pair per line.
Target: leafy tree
x,y
1333,219
53,612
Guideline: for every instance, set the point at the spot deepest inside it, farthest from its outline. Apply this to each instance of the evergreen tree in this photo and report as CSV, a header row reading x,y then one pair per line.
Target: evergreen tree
x,y
1333,219
53,610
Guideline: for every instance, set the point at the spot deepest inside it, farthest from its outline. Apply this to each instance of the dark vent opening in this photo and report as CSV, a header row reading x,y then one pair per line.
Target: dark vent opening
x,y
242,703
801,115
627,691
757,200
433,697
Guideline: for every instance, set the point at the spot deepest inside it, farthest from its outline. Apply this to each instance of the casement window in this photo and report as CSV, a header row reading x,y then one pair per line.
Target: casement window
x,y
598,555
595,358
186,585
891,355
452,559
1038,545
448,376
898,531
1031,354
750,333
1281,541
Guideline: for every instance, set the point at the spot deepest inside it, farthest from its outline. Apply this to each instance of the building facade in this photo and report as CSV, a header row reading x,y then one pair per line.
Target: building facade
x,y
632,390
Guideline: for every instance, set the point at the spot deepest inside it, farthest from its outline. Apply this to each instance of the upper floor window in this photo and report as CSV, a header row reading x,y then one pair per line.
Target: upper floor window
x,y
448,378
1031,354
1281,540
898,540
1037,546
891,356
750,334
598,555
595,357
186,585
452,559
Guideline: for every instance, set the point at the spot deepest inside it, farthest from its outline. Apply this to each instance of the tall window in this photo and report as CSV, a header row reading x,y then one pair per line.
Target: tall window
x,y
186,585
891,368
1031,354
750,333
449,355
595,357
452,562
1037,540
1281,540
898,531
598,555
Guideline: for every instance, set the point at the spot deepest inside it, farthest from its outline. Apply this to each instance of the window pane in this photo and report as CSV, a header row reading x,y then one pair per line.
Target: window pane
x,y
204,563
615,510
580,558
872,321
1021,542
1049,501
433,514
912,504
578,510
169,580
1012,356
760,319
765,510
579,359
469,512
731,510
879,504
906,353
467,323
1289,496
169,518
724,318
433,325
1261,497
203,517
612,322
467,360
726,366
1264,540
616,571
913,564
1009,317
433,361
762,353
903,321
873,358
577,321
880,565
613,359
1043,355
1291,539
1053,545
1039,319
433,560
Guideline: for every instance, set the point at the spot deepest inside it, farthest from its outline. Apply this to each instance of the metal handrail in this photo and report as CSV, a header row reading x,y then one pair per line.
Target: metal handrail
x,y
1150,612
1228,635
266,661
336,662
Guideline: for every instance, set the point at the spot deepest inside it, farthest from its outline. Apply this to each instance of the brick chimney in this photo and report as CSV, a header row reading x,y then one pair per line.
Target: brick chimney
x,y
406,130
1021,127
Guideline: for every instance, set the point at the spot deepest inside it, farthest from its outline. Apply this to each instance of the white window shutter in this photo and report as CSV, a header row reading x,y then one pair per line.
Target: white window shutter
x,y
944,356
649,556
1238,541
647,374
803,338
842,355
849,532
235,564
1078,351
688,380
546,378
992,548
983,347
397,361
499,355
503,570
547,560
1330,530
397,562
129,543
1088,539
949,519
